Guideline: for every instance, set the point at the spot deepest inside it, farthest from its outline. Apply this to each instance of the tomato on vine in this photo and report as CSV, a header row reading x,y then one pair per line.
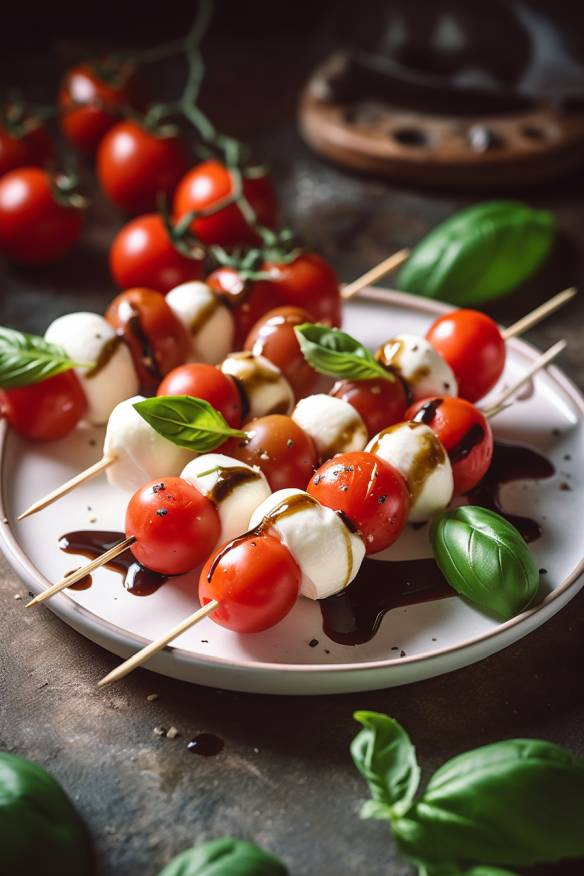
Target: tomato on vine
x,y
24,138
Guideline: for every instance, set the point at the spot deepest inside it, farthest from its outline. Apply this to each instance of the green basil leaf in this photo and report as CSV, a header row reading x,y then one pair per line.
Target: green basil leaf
x,y
40,829
386,759
225,857
26,359
481,253
337,354
186,421
513,803
485,559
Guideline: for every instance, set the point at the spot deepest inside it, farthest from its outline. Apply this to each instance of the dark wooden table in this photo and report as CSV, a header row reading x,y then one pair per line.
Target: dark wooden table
x,y
284,778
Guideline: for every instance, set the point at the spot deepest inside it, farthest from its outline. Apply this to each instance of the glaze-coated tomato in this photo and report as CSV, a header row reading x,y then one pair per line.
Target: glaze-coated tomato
x,y
34,227
280,448
157,340
142,254
380,402
46,410
471,343
135,166
256,581
30,149
309,282
248,300
210,182
369,491
465,434
90,106
206,382
175,526
273,336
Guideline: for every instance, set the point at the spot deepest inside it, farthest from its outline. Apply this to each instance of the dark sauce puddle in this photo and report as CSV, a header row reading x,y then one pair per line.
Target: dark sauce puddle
x,y
206,745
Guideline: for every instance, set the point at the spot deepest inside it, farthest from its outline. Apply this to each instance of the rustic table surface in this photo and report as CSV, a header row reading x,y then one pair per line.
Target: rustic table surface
x,y
284,777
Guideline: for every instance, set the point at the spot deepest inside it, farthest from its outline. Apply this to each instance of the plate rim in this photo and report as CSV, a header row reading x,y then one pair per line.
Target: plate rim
x,y
73,613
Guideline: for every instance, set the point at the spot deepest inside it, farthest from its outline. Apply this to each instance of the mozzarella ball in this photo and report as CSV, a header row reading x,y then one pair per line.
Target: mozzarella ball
x,y
266,389
333,424
87,337
209,322
417,362
328,553
141,453
235,487
418,453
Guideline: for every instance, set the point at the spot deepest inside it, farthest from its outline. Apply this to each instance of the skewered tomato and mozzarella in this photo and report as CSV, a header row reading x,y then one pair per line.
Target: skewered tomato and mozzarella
x,y
416,361
381,403
207,382
333,424
265,388
273,337
207,320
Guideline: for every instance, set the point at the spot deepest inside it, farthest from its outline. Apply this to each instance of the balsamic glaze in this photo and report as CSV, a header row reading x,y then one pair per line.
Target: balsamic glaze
x,y
206,745
474,436
148,353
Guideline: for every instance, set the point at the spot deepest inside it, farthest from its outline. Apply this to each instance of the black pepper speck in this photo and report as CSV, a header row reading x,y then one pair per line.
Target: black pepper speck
x,y
162,512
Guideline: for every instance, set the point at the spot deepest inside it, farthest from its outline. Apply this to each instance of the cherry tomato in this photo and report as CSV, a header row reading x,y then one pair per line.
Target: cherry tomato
x,y
380,402
175,526
255,579
369,491
248,299
210,182
158,341
142,254
135,166
46,410
34,227
280,448
209,383
32,148
465,434
89,105
273,336
471,343
309,282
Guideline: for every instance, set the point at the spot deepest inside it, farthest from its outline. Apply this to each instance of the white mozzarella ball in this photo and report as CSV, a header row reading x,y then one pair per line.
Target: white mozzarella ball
x,y
333,424
418,453
235,487
141,454
266,389
88,337
209,322
328,553
420,365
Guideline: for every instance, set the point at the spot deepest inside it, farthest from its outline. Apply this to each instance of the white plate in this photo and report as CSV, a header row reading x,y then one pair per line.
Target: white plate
x,y
436,637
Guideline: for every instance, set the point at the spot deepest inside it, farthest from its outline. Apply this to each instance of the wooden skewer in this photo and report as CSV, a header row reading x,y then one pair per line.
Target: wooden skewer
x,y
530,319
68,580
539,363
69,485
158,644
376,273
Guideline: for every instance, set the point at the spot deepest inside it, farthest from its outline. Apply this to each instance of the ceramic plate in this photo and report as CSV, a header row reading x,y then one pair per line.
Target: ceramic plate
x,y
413,641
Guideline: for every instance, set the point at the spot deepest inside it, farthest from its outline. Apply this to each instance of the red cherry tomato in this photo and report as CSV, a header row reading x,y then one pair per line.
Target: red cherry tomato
x,y
33,148
273,336
471,343
255,579
209,383
280,448
248,299
369,491
158,341
465,434
135,166
380,402
46,410
89,106
210,182
309,282
175,526
34,227
142,254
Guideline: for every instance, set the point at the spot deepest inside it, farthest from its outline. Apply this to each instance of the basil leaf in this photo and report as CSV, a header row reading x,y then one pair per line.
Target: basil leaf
x,y
485,559
26,359
337,354
386,759
513,803
225,857
481,253
187,421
